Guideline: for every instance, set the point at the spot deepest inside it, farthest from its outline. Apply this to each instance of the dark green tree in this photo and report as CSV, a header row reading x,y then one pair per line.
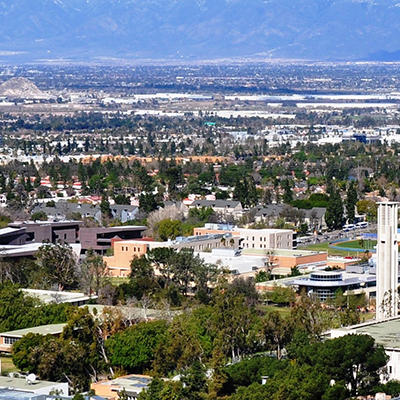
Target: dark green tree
x,y
148,202
105,207
245,191
287,192
351,202
334,211
353,359
134,349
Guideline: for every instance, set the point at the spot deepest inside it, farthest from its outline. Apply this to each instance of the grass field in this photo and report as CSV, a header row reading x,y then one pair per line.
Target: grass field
x,y
336,249
325,247
355,244
7,365
116,281
284,311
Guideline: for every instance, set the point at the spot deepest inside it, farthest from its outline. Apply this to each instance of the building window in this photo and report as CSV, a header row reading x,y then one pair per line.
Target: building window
x,y
10,340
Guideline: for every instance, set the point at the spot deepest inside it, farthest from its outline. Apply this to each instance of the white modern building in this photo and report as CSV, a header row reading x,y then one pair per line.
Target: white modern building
x,y
234,261
31,386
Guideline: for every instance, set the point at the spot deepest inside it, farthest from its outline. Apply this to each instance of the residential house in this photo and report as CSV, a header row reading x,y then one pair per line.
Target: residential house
x,y
224,208
124,213
64,210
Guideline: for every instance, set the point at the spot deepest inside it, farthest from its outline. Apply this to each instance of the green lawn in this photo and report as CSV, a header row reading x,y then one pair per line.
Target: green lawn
x,y
7,365
337,251
325,247
367,317
284,311
116,281
356,244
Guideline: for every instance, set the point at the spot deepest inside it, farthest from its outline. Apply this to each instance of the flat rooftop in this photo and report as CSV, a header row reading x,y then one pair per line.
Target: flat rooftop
x,y
20,250
178,240
116,228
52,329
386,333
281,252
131,312
10,230
7,382
52,296
22,224
346,279
265,231
30,249
131,383
10,394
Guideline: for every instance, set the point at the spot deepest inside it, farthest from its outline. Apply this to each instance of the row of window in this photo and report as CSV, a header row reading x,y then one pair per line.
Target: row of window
x,y
259,247
264,238
126,248
10,340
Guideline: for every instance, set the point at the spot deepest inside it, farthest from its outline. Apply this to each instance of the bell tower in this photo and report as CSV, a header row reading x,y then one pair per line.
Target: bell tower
x,y
387,265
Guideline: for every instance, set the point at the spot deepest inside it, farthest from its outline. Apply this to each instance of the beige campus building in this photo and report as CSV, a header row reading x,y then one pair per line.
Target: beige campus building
x,y
253,238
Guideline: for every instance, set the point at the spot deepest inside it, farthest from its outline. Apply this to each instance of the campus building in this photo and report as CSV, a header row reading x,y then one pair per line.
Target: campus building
x,y
385,333
31,388
253,238
100,239
58,297
131,385
119,264
324,284
7,339
282,261
19,233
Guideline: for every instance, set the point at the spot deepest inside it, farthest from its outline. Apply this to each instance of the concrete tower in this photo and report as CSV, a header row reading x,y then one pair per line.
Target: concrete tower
x,y
387,261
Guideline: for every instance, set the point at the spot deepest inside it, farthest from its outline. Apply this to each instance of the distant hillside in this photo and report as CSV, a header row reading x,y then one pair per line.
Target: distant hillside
x,y
21,88
198,29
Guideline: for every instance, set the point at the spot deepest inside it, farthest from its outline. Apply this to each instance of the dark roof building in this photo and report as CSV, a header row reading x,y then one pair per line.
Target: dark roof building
x,y
100,239
38,232
221,204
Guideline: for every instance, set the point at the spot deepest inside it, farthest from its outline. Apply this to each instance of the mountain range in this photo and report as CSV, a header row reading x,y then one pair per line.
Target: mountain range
x,y
103,30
